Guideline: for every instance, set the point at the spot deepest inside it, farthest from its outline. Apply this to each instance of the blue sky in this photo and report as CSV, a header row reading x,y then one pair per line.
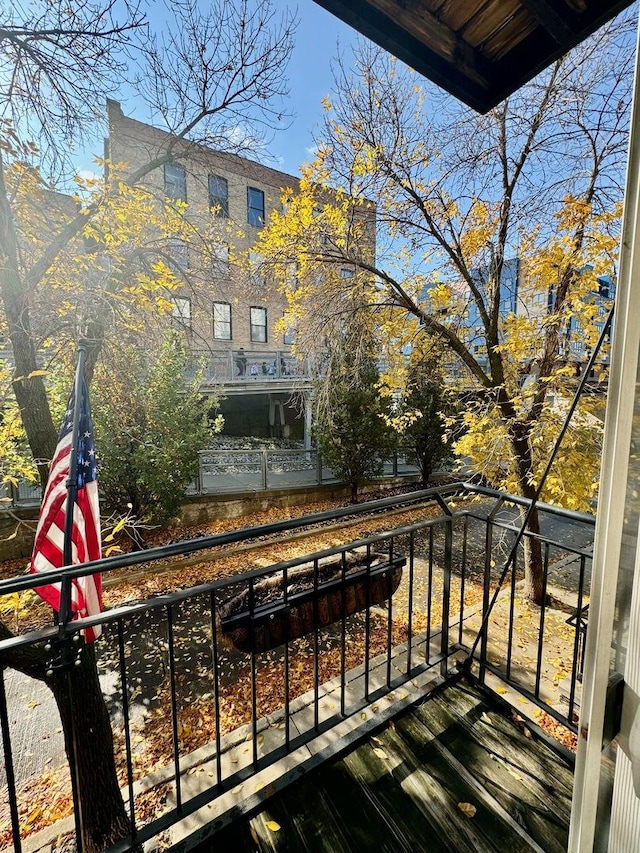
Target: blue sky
x,y
310,79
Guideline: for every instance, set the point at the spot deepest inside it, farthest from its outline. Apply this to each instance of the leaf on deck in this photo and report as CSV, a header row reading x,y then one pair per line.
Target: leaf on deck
x,y
467,809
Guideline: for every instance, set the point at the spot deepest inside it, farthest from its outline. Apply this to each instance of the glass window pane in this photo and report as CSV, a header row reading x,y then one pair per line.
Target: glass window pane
x,y
175,182
182,311
258,321
220,260
180,253
289,329
255,207
222,321
219,195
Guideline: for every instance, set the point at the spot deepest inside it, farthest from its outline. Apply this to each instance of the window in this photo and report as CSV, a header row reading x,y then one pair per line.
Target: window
x,y
347,273
222,321
175,182
219,195
258,323
291,276
179,251
220,260
182,311
289,328
323,238
258,276
255,207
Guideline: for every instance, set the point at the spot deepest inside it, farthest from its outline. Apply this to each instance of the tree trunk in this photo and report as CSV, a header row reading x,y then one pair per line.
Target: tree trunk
x,y
89,742
88,736
533,564
533,567
28,387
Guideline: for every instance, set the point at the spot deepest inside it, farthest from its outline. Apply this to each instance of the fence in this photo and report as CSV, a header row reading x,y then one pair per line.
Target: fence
x,y
249,470
235,674
222,471
225,366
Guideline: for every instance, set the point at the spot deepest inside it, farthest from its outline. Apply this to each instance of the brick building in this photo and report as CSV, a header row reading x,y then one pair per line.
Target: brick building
x,y
231,314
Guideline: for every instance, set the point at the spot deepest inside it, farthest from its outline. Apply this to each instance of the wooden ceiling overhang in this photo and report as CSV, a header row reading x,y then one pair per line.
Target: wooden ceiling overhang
x,y
478,50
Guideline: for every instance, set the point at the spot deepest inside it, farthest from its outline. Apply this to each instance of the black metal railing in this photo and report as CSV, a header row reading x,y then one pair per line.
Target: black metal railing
x,y
211,686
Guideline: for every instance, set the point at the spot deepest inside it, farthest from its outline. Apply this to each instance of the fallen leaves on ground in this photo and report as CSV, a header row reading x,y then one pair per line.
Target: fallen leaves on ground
x,y
198,723
43,801
557,731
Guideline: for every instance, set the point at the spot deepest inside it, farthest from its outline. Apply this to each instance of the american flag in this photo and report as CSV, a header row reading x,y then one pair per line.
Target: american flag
x,y
48,549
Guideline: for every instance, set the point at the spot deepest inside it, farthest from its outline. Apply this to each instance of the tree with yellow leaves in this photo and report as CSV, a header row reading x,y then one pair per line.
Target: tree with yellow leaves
x,y
446,198
99,265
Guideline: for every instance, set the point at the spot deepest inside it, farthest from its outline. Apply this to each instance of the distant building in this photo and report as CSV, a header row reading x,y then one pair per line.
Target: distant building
x,y
523,297
510,303
232,318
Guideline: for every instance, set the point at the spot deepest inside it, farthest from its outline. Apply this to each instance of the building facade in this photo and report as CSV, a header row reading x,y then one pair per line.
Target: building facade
x,y
232,315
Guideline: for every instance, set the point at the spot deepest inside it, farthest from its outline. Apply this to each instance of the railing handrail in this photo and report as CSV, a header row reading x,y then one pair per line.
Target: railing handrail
x,y
190,546
254,615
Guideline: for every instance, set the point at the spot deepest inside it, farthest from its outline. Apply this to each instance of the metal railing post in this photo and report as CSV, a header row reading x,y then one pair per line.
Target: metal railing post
x,y
200,476
446,592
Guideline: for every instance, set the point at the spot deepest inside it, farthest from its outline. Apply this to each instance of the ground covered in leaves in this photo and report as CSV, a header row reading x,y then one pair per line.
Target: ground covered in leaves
x,y
46,798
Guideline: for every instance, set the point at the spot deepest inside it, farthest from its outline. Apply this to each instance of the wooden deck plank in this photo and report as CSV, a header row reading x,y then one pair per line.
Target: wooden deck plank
x,y
410,822
527,816
525,777
400,791
469,705
546,771
429,772
307,823
365,813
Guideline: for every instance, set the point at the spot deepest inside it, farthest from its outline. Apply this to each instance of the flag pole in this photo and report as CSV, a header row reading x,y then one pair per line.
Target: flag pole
x,y
65,613
72,486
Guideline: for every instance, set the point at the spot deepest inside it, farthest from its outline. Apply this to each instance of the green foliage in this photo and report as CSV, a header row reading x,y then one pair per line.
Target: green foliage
x,y
150,425
16,459
350,427
423,439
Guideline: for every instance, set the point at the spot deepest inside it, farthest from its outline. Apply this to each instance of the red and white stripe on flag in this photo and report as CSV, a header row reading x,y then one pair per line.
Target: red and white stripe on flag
x,y
48,549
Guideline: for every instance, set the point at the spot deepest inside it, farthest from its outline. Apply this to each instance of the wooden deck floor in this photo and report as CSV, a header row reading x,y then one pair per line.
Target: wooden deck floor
x,y
455,774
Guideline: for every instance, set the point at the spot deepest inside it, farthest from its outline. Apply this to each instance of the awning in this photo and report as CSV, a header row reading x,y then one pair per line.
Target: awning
x,y
478,50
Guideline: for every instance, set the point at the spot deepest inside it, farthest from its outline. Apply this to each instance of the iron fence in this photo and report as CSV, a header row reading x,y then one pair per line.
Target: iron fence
x,y
227,470
224,471
211,687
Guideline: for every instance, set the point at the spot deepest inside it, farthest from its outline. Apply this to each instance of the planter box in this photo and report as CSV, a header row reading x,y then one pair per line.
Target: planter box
x,y
269,615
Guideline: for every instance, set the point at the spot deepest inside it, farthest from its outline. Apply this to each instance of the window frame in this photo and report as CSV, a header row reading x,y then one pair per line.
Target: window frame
x,y
183,319
226,305
258,275
252,325
179,251
289,334
219,204
172,182
220,261
256,220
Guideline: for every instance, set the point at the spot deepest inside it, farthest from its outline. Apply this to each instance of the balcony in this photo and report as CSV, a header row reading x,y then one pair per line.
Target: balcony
x,y
244,371
373,666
